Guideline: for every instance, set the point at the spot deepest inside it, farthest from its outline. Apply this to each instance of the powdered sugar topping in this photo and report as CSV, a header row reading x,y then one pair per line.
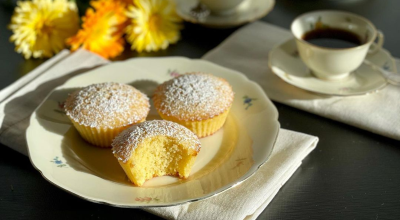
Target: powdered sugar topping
x,y
128,140
107,105
194,96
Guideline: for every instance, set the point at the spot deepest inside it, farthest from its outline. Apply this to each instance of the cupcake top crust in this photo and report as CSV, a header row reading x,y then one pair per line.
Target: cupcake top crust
x,y
107,105
193,96
128,140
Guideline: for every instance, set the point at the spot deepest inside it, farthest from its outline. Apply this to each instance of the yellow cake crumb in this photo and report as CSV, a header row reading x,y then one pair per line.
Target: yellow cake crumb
x,y
156,148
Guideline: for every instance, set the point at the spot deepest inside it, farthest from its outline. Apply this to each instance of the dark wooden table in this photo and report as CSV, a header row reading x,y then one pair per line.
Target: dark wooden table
x,y
352,174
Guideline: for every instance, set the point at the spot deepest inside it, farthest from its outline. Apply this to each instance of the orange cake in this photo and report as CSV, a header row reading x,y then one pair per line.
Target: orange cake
x,y
156,148
198,101
101,111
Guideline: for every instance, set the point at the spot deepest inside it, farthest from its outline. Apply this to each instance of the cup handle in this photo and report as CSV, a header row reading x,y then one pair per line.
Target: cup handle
x,y
380,38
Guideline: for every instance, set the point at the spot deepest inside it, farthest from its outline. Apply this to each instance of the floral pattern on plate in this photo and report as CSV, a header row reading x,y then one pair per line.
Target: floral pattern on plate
x,y
233,153
58,162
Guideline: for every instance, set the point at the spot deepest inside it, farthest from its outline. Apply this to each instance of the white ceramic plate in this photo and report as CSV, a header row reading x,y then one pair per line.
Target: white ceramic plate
x,y
247,11
285,62
226,159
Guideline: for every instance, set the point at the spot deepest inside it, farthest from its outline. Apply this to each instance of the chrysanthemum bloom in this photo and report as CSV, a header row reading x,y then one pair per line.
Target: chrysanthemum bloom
x,y
154,26
40,27
102,29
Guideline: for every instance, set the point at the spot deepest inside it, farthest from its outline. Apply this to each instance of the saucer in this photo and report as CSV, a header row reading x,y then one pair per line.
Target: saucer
x,y
285,62
247,11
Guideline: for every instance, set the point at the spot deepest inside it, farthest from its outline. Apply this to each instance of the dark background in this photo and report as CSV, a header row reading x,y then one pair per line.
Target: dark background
x,y
352,174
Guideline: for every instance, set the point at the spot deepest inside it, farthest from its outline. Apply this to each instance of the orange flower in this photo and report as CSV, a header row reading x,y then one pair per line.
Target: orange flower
x,y
102,29
126,2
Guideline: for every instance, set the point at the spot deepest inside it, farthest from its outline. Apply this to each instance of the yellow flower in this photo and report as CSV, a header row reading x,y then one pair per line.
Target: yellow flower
x,y
154,26
40,27
102,29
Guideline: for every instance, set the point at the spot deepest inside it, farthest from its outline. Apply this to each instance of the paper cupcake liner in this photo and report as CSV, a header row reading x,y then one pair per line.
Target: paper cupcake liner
x,y
101,137
202,128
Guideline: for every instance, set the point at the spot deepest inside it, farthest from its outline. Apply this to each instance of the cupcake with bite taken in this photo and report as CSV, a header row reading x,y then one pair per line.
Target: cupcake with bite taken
x,y
156,148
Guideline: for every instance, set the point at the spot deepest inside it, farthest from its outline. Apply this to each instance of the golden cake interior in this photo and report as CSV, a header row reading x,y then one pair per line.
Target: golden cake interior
x,y
158,156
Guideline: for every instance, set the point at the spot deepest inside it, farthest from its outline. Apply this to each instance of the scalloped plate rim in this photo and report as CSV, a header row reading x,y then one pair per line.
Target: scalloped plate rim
x,y
245,176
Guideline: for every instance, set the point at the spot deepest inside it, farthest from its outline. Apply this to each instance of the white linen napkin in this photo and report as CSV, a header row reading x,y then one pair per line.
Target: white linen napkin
x,y
249,199
245,201
20,99
247,51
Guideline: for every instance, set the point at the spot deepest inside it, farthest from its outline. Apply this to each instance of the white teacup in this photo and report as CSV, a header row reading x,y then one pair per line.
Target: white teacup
x,y
222,7
332,63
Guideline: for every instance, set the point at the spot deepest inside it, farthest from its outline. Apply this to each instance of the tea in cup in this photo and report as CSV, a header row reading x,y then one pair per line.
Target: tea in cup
x,y
334,43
